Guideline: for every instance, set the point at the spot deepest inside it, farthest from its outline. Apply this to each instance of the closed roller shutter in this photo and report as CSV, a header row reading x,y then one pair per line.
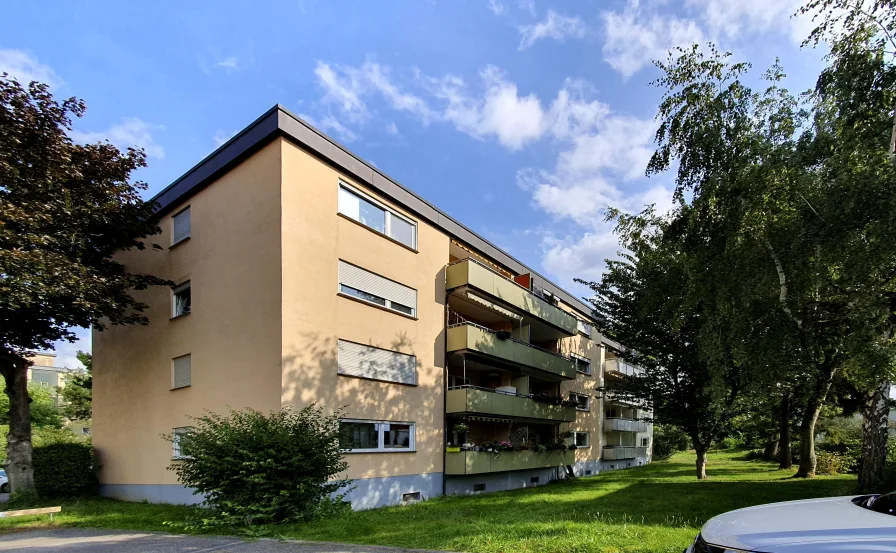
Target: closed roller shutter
x,y
379,364
182,372
366,281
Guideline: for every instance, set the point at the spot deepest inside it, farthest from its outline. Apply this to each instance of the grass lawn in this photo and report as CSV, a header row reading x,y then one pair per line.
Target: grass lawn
x,y
652,509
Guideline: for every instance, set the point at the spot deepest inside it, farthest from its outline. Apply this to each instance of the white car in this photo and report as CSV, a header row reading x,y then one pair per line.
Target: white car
x,y
851,524
4,482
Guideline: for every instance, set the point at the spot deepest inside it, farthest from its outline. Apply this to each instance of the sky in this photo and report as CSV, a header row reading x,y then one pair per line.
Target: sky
x,y
522,119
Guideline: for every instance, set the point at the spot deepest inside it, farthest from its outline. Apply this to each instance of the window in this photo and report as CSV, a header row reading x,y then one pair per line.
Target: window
x,y
181,435
181,376
612,414
582,365
583,327
180,226
372,214
645,442
364,361
583,439
478,487
359,436
180,300
534,480
583,403
372,288
85,430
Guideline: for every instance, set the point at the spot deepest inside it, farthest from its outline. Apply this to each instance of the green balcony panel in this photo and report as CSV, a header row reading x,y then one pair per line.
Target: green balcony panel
x,y
472,274
473,338
483,402
480,462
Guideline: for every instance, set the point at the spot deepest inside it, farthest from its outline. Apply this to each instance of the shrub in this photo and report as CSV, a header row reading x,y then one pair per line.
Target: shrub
x,y
44,435
829,462
254,468
731,442
64,470
667,440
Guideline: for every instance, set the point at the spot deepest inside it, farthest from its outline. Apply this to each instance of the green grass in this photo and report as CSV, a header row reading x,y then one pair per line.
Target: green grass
x,y
656,508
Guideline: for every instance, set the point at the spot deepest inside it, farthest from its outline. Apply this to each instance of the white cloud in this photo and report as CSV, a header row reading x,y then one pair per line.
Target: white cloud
x,y
634,39
25,68
132,131
342,91
734,18
527,6
328,123
66,352
621,143
229,64
221,137
496,7
391,128
555,26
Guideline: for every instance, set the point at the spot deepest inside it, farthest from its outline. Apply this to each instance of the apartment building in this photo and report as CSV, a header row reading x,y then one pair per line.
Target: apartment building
x,y
305,275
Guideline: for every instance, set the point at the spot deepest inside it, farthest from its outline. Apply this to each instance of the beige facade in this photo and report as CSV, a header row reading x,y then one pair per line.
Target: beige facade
x,y
313,278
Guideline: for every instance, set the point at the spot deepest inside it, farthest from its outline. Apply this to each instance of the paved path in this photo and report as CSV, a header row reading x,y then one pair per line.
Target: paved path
x,y
78,540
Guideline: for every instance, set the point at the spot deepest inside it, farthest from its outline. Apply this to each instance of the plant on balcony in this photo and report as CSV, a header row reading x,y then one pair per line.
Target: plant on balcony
x,y
539,448
503,334
461,428
547,398
569,402
567,435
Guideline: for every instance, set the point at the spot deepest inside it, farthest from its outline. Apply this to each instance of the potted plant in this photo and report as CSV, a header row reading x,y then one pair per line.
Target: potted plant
x,y
503,334
461,428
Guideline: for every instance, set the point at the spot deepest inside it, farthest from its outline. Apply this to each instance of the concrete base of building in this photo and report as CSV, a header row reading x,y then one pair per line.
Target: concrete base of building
x,y
623,463
369,493
174,494
501,481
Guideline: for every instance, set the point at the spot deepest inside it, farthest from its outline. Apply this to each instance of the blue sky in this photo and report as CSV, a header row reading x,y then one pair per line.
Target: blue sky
x,y
522,119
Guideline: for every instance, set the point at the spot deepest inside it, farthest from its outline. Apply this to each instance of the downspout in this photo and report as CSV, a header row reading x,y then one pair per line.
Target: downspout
x,y
445,397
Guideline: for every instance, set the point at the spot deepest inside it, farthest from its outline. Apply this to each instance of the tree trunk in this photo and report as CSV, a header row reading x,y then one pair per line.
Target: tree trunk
x,y
18,448
875,415
785,454
807,439
771,449
701,464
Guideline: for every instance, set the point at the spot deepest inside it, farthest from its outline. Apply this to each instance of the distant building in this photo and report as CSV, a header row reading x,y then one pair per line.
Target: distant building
x,y
45,373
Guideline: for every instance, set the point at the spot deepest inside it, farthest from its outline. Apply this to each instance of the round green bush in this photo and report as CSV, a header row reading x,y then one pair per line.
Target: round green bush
x,y
64,470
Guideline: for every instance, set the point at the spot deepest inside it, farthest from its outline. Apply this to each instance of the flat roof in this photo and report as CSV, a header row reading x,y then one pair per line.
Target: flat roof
x,y
278,121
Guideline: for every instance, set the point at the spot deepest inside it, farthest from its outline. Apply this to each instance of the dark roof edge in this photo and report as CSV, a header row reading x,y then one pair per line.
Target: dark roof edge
x,y
278,120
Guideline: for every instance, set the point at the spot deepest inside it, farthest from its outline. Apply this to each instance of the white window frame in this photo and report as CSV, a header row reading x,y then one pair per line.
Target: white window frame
x,y
387,303
387,227
186,285
575,439
580,359
177,433
587,401
189,218
412,438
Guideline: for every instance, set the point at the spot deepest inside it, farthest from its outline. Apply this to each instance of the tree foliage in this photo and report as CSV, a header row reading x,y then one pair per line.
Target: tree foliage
x,y
77,394
65,210
254,468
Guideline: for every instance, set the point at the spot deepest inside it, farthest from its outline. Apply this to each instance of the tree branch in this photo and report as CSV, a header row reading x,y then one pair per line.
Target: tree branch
x,y
782,282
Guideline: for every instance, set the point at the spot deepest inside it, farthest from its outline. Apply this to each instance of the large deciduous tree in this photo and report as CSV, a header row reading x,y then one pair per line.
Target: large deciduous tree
x,y
65,209
647,301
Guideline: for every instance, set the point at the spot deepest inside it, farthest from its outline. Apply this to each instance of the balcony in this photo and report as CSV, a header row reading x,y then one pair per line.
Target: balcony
x,y
482,401
471,274
617,367
624,425
616,453
467,337
481,462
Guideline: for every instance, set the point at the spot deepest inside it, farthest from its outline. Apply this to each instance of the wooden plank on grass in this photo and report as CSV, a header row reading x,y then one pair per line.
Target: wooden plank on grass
x,y
25,512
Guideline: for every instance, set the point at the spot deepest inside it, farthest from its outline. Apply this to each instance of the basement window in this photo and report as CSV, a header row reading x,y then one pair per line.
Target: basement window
x,y
478,487
410,497
534,480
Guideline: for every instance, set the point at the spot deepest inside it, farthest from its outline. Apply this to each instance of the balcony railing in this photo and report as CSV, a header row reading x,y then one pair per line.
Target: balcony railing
x,y
624,425
615,453
472,337
471,399
480,462
472,273
618,366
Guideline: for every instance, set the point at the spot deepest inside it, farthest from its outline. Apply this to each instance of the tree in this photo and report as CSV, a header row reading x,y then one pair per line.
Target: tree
x,y
647,302
44,412
65,210
77,394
